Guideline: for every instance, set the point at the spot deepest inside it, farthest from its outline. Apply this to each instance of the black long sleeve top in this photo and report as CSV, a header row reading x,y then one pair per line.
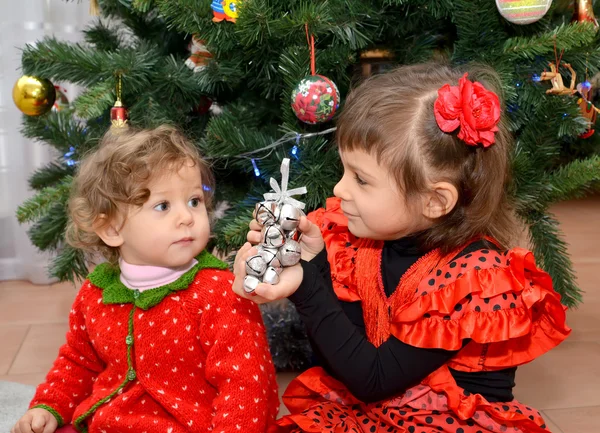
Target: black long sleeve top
x,y
337,334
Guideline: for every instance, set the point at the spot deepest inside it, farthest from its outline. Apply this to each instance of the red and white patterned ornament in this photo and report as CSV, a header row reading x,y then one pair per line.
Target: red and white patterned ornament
x,y
315,99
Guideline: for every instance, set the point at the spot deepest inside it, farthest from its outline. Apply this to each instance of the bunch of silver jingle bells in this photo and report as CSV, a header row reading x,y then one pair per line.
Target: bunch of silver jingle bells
x,y
279,216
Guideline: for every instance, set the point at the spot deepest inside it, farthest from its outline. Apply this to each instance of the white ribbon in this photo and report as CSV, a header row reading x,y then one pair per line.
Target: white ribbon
x,y
283,195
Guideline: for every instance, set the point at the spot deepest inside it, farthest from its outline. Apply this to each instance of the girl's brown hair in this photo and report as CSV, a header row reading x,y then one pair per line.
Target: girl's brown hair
x,y
391,117
116,176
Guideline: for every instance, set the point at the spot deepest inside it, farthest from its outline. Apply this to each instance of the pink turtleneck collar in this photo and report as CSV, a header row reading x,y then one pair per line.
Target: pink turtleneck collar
x,y
142,277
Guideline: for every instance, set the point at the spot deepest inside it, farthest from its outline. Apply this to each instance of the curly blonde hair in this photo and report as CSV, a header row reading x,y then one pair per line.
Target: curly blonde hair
x,y
116,175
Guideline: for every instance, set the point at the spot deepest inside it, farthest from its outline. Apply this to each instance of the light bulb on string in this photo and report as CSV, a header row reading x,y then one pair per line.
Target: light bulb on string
x,y
295,148
67,156
256,170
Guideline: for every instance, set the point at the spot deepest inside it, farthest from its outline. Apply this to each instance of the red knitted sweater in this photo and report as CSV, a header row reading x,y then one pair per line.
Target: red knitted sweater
x,y
190,356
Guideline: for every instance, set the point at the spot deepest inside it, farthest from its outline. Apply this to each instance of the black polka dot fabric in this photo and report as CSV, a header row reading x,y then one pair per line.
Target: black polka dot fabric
x,y
425,410
441,282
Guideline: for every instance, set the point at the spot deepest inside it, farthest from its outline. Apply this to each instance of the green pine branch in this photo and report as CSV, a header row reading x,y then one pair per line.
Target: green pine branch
x,y
190,16
57,60
96,100
231,230
480,31
50,175
574,180
69,264
552,255
142,6
42,203
48,231
59,129
565,37
102,37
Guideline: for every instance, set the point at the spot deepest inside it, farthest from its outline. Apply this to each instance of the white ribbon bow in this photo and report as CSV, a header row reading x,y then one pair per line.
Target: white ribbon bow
x,y
283,195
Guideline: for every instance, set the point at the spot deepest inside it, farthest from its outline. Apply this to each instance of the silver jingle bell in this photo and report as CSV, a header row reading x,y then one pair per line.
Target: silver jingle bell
x,y
288,216
294,235
271,276
264,212
250,283
256,265
289,254
269,255
272,236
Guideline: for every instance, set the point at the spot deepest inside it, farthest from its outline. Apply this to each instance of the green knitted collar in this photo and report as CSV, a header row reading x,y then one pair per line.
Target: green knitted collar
x,y
106,277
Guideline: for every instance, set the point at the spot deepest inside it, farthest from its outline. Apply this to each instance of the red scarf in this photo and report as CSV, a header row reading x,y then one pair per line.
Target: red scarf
x,y
377,307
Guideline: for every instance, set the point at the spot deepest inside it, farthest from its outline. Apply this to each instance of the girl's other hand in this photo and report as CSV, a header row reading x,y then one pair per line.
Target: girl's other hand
x,y
36,420
289,280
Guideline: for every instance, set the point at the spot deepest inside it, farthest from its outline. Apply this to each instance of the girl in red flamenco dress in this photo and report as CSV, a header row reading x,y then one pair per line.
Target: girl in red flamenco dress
x,y
418,310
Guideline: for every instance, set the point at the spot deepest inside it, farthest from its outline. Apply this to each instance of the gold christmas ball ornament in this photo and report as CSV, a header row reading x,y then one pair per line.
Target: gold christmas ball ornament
x,y
34,96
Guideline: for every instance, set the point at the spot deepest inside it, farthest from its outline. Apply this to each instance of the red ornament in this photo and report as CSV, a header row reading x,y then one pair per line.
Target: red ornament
x,y
119,115
315,99
584,12
203,106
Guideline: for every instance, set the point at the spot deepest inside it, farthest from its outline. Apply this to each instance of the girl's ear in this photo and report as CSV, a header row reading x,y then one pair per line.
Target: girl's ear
x,y
440,200
108,231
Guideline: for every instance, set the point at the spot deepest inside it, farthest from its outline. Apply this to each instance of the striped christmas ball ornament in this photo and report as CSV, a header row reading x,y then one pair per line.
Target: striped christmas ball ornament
x,y
523,11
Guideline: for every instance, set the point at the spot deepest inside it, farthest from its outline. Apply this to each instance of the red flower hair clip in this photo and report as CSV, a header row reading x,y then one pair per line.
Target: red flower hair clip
x,y
471,107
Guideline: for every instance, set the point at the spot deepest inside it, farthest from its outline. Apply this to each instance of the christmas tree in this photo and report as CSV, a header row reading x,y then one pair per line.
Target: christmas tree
x,y
247,58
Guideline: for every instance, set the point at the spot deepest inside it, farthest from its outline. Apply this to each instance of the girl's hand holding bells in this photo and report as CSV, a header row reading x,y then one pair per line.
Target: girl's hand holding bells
x,y
311,243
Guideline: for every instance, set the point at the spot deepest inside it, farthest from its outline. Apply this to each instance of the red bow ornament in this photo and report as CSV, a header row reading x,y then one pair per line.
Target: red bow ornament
x,y
471,107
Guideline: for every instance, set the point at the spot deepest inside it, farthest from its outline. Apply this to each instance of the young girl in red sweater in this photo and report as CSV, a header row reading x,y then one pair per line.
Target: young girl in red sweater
x,y
157,340
416,307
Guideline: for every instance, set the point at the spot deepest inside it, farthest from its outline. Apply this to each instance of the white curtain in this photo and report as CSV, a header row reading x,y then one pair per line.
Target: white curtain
x,y
22,22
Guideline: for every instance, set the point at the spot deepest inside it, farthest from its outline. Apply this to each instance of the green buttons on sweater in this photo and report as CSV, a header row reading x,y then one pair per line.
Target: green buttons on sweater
x,y
129,340
136,294
131,374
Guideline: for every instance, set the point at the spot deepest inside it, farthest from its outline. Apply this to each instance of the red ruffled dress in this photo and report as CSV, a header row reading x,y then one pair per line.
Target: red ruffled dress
x,y
500,301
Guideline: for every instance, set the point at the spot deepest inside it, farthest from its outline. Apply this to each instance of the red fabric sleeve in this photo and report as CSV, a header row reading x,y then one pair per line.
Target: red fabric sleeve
x,y
73,373
509,306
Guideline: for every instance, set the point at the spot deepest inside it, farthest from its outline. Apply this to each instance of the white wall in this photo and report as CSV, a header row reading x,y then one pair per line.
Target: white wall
x,y
22,22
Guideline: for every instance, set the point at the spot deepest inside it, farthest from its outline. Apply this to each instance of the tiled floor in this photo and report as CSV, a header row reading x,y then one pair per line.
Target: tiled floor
x,y
564,384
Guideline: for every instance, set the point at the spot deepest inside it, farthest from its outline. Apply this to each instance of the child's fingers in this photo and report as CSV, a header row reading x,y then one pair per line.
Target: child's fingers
x,y
246,251
267,292
253,237
240,258
256,298
254,225
308,228
51,425
38,423
24,425
238,288
289,282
